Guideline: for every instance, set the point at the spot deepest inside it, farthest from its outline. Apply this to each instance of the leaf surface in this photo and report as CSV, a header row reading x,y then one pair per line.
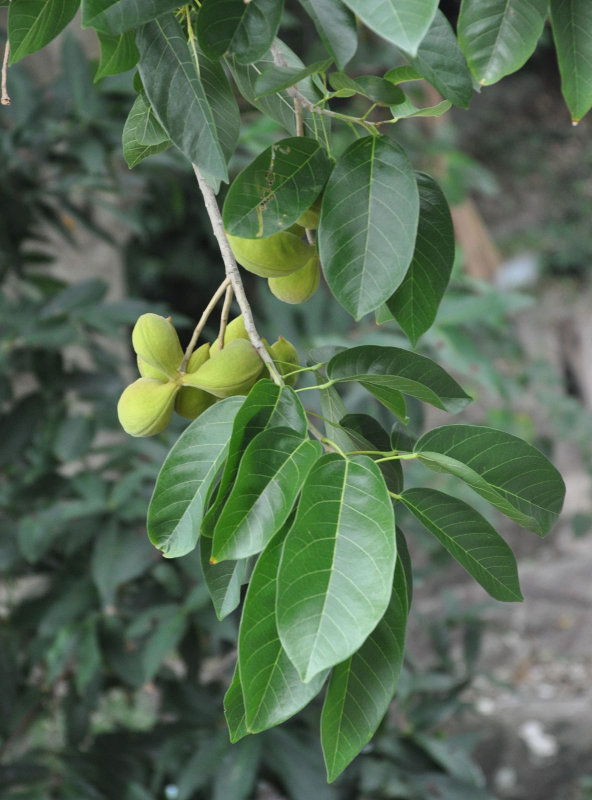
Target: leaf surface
x,y
335,576
224,581
368,223
118,16
336,26
402,22
511,474
34,23
139,126
118,53
232,26
571,22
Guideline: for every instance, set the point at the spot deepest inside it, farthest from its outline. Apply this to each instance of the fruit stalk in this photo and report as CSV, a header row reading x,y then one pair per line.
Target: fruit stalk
x,y
224,315
233,274
202,321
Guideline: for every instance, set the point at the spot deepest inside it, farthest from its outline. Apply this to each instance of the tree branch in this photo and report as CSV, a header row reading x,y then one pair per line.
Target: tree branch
x,y
5,100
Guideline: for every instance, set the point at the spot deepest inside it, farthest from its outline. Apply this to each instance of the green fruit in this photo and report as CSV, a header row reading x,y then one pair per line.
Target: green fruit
x,y
230,371
285,357
273,257
198,357
146,406
191,402
156,342
234,330
300,285
147,371
310,218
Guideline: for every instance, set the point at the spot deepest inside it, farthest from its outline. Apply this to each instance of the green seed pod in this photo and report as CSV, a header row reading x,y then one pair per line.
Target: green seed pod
x,y
234,330
156,342
285,357
191,402
231,371
198,357
300,285
310,218
147,371
146,406
275,256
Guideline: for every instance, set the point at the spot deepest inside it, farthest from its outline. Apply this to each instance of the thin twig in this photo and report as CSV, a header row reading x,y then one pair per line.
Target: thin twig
x,y
298,115
224,315
202,321
233,274
5,96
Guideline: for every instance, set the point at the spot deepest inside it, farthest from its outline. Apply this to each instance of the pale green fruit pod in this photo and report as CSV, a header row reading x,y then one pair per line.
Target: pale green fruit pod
x,y
232,370
234,330
190,402
146,406
272,257
198,357
300,285
156,342
285,357
148,371
310,218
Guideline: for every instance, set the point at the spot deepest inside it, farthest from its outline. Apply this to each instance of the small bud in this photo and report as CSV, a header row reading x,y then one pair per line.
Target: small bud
x,y
300,285
274,256
230,371
156,342
146,406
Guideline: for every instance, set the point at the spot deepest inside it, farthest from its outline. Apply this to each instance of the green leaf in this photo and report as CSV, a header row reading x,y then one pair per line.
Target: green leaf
x,y
276,188
272,689
512,475
404,558
440,61
266,406
271,473
333,410
172,83
498,36
362,687
234,709
118,16
366,433
278,78
237,771
224,581
118,53
406,110
402,22
141,124
34,23
379,90
368,223
415,303
469,538
118,556
392,369
345,527
336,26
183,484
232,26
571,22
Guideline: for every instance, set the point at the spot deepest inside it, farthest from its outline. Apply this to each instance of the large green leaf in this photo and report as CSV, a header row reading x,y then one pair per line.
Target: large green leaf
x,y
266,406
441,62
183,484
336,571
176,93
366,433
362,687
118,53
279,78
246,30
512,475
415,303
469,538
368,223
276,188
34,23
571,21
140,125
402,22
223,581
390,369
234,709
272,689
336,25
271,473
117,16
498,36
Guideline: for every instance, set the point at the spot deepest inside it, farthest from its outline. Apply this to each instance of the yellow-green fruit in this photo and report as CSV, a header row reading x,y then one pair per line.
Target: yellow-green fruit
x,y
191,402
156,342
234,330
285,357
148,371
273,257
146,406
300,285
310,218
198,357
233,370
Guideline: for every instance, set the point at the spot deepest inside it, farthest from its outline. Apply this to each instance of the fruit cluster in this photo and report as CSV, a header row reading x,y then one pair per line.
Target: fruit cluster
x,y
211,373
290,264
